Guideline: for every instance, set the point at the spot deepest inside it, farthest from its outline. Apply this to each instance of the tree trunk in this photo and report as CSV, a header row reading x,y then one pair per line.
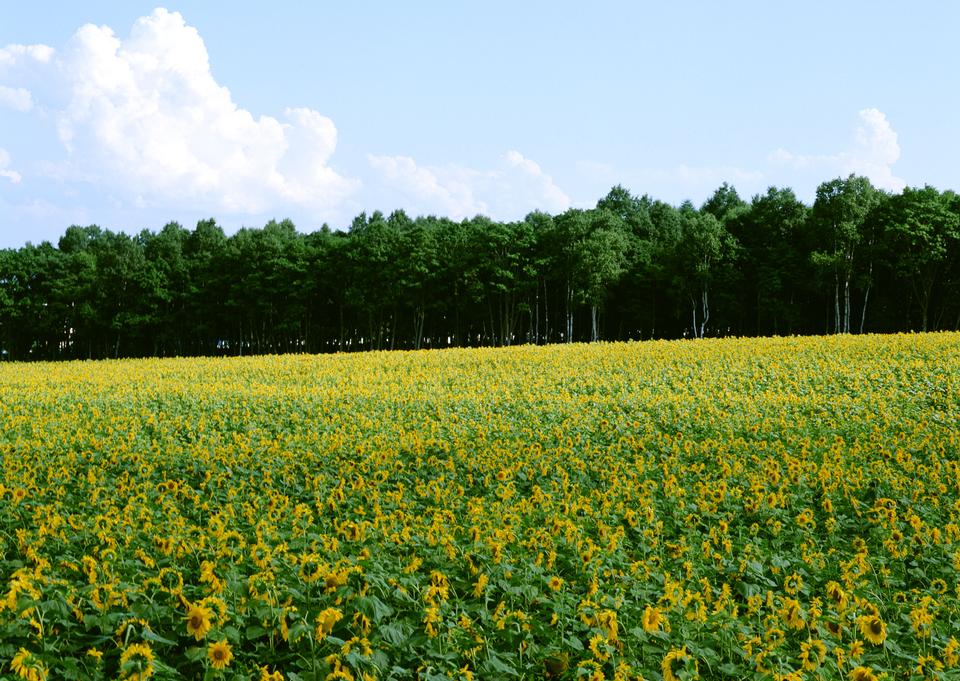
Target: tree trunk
x,y
706,312
419,316
846,305
536,316
546,313
594,331
866,299
693,307
836,303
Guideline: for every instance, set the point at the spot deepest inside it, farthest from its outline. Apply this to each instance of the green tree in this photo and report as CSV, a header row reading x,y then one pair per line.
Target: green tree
x,y
841,209
774,266
704,244
922,232
604,254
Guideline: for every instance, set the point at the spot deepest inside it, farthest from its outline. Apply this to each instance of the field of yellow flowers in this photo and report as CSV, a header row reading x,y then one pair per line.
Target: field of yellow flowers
x,y
776,509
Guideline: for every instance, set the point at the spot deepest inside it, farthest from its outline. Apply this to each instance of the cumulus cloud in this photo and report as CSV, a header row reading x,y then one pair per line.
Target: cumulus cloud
x,y
18,99
28,62
510,191
14,54
5,171
873,153
144,116
687,175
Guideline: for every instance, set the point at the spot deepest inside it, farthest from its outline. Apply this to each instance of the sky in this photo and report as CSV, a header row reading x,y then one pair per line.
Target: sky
x,y
131,115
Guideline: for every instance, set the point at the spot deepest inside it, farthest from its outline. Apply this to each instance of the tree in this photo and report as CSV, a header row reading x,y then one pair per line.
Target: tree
x,y
774,266
725,204
76,289
704,243
604,253
922,232
570,230
165,251
205,250
417,268
841,209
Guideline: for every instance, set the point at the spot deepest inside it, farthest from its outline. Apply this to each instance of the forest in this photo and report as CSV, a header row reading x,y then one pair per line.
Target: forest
x,y
859,260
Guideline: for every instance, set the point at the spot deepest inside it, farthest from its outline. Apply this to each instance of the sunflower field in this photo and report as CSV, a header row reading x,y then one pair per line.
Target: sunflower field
x,y
746,509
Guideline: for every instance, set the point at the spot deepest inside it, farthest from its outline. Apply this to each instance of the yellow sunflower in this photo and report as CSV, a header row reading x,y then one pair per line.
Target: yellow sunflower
x,y
136,662
873,629
812,653
951,652
198,621
326,620
651,619
792,613
679,656
219,654
27,666
861,674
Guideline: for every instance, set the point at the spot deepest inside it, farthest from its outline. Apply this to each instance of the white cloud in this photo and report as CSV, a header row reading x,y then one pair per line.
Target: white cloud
x,y
510,191
5,171
14,54
672,183
425,191
145,118
874,151
706,175
18,99
29,62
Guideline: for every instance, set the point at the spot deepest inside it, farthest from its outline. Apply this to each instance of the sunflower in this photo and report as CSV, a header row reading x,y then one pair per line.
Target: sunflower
x,y
27,666
267,675
598,648
793,584
326,621
198,621
219,654
951,652
556,665
861,674
856,649
835,629
555,583
837,595
676,655
652,619
926,664
812,653
792,613
311,569
607,621
872,628
136,662
480,585
260,555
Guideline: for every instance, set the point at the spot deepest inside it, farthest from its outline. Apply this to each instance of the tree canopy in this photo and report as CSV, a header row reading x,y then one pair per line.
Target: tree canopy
x,y
857,260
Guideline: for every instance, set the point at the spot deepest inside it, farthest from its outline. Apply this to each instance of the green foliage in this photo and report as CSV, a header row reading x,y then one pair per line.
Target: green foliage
x,y
630,268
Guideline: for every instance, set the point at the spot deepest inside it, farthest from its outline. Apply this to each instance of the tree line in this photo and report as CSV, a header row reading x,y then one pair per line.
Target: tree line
x,y
858,260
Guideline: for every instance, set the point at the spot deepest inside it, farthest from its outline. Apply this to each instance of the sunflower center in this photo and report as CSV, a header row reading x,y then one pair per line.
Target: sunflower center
x,y
196,621
876,627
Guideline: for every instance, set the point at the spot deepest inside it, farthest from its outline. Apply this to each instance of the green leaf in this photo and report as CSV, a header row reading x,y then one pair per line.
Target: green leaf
x,y
395,634
156,638
496,666
374,608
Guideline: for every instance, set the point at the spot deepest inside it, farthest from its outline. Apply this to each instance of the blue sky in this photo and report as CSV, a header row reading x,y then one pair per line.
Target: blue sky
x,y
130,115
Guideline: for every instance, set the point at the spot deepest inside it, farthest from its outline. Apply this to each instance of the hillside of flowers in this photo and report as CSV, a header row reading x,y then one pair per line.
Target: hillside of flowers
x,y
747,509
